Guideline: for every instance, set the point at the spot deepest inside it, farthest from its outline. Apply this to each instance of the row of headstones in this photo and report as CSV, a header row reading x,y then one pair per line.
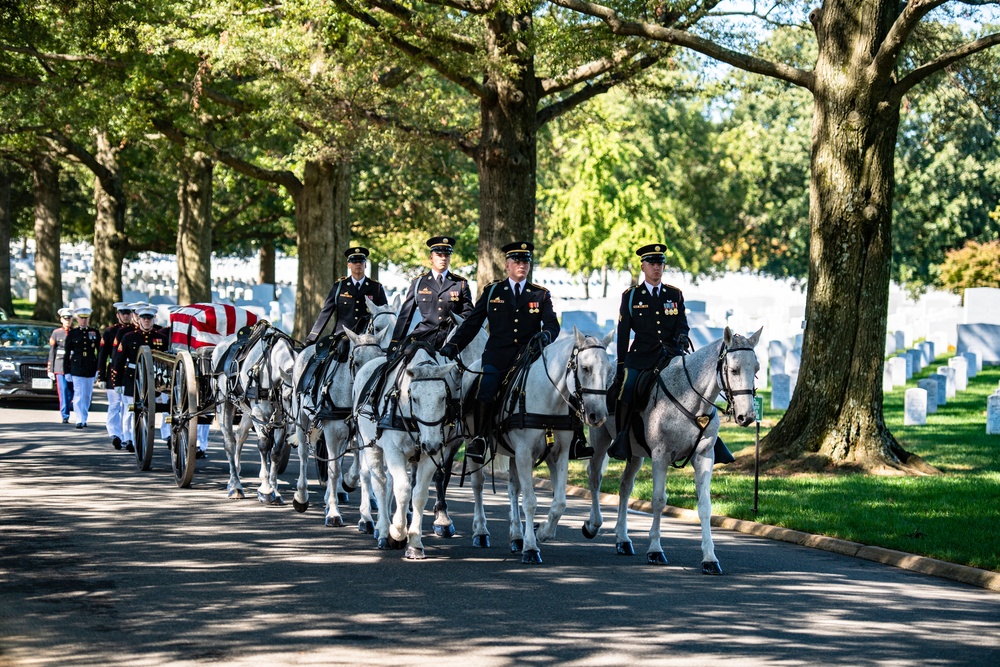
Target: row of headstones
x,y
993,413
935,390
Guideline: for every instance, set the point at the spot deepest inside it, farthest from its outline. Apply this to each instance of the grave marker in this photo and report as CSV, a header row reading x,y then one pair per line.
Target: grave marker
x,y
930,385
915,407
961,366
781,394
949,373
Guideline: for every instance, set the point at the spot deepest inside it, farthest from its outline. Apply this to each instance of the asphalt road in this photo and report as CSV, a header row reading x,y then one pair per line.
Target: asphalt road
x,y
101,564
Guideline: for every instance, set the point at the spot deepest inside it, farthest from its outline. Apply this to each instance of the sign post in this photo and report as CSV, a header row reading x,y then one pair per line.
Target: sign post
x,y
758,406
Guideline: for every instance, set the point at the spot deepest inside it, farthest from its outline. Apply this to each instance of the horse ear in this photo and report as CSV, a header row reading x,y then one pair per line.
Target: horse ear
x,y
608,338
353,336
727,337
578,336
397,301
755,337
370,304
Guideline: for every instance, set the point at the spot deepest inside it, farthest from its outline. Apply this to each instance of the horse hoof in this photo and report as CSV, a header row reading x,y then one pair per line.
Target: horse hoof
x,y
347,487
711,567
413,553
656,558
531,557
624,549
516,546
277,501
237,494
300,507
587,532
382,544
481,541
445,531
334,522
375,533
342,498
366,527
396,545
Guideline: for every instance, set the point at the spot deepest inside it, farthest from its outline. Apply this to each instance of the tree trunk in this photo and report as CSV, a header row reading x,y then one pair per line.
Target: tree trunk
x,y
266,256
194,230
506,157
48,272
6,216
323,228
837,407
586,285
110,242
604,280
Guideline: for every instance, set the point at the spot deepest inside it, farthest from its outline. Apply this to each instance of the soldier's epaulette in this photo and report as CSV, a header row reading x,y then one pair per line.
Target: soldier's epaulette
x,y
671,287
538,287
629,289
341,279
455,276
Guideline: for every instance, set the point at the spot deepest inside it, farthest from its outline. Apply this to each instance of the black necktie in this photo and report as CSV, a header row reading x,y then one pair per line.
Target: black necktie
x,y
656,292
517,290
441,279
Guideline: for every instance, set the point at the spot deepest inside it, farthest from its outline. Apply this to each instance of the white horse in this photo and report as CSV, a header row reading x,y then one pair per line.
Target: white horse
x,y
262,390
423,393
323,409
681,424
571,374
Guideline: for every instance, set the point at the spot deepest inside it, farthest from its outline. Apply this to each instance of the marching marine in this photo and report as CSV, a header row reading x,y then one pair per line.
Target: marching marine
x,y
57,363
516,311
82,344
347,298
105,360
436,294
123,370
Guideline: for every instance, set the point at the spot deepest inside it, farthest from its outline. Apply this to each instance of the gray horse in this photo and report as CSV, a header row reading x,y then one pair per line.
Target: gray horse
x,y
681,424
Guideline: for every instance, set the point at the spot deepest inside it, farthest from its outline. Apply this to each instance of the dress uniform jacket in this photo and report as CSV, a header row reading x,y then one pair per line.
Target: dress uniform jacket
x,y
123,368
57,350
82,345
105,348
348,301
512,322
658,322
436,302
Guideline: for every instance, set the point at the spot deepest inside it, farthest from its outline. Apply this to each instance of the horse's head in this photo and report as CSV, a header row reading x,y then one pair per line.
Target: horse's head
x,y
429,393
737,367
383,317
589,369
364,348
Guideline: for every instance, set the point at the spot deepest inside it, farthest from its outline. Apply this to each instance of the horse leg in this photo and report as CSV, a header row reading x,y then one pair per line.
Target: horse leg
x,y
279,441
335,435
380,488
516,528
364,482
300,501
529,503
600,440
265,445
480,533
654,552
702,464
395,462
558,474
443,525
352,475
234,488
421,490
622,542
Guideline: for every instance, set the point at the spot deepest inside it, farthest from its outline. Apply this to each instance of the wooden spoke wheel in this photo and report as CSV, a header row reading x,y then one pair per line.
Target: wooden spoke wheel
x,y
144,408
322,471
183,420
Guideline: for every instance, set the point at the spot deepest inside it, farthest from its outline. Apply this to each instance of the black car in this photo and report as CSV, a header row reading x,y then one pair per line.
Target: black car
x,y
24,353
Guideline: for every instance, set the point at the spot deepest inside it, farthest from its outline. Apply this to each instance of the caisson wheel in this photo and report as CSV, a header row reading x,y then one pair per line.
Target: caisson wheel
x,y
183,420
144,408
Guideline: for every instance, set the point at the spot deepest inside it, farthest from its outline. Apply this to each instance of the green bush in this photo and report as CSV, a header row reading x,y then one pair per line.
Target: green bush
x,y
973,265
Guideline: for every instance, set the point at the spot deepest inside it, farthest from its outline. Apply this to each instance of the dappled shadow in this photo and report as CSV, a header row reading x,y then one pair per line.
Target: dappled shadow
x,y
102,565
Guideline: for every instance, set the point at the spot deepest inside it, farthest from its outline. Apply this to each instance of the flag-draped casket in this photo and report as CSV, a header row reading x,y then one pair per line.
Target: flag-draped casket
x,y
206,324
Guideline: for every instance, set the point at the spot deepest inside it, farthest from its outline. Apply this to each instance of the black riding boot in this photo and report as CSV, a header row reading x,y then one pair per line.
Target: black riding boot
x,y
722,453
579,449
620,448
475,449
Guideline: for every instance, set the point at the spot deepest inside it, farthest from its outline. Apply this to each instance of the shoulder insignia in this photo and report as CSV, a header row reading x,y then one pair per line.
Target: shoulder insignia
x,y
672,287
538,287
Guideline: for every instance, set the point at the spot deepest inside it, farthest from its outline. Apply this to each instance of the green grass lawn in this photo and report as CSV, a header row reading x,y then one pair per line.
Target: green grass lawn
x,y
954,516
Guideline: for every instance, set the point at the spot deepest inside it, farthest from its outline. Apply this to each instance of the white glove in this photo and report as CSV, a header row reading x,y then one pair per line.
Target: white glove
x,y
52,376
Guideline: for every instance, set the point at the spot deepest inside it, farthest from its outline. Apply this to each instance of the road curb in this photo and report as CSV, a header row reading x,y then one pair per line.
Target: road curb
x,y
906,561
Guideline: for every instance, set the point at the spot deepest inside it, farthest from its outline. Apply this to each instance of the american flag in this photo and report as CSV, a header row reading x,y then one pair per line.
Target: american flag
x,y
206,324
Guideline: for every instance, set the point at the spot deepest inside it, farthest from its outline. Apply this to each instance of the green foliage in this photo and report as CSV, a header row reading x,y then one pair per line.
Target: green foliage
x,y
973,265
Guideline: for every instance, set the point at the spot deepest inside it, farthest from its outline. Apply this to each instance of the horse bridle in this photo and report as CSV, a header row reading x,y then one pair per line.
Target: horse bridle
x,y
354,351
575,399
721,368
371,323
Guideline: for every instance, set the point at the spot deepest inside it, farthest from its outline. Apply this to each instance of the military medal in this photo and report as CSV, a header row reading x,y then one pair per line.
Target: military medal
x,y
533,307
454,295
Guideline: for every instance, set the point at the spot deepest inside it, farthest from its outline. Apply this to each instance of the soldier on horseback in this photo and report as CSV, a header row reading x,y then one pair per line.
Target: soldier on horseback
x,y
517,311
347,298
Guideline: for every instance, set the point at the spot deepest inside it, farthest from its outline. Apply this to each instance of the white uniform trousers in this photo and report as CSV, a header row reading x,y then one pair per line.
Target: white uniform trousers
x,y
83,392
203,437
115,408
128,426
163,398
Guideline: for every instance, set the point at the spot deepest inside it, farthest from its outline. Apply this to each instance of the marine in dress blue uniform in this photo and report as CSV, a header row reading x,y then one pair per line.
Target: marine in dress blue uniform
x,y
105,358
123,370
82,344
516,311
347,298
436,294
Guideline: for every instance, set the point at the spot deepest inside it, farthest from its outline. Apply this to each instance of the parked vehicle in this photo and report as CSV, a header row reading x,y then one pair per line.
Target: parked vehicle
x,y
24,352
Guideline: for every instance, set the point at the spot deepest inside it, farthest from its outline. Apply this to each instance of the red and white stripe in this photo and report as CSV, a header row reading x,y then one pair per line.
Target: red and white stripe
x,y
206,324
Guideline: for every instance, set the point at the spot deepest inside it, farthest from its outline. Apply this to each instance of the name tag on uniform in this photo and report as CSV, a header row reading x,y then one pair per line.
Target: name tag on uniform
x,y
346,295
640,305
496,300
425,290
454,295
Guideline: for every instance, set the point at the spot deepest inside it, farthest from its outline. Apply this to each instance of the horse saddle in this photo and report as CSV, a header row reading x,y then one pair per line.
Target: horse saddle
x,y
237,352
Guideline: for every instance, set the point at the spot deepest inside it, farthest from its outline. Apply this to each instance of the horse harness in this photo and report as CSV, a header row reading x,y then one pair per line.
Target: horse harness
x,y
258,388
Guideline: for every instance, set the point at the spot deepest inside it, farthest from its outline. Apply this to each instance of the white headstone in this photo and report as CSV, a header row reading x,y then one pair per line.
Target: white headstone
x,y
908,360
776,364
931,352
915,407
792,360
890,344
949,373
942,387
916,359
886,379
993,414
982,305
974,365
930,385
897,368
781,394
900,340
961,366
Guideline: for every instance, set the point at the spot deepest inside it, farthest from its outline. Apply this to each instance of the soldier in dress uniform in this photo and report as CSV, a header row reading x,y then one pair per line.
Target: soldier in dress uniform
x,y
437,294
105,355
57,363
347,298
516,310
82,344
123,370
656,313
